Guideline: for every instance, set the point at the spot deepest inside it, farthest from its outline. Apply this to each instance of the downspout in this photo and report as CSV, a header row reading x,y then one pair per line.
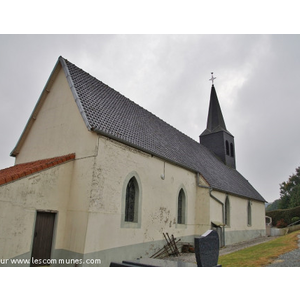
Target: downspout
x,y
216,199
219,201
223,213
211,195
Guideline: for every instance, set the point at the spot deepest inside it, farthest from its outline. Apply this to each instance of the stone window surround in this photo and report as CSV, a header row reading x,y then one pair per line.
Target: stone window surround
x,y
136,224
184,225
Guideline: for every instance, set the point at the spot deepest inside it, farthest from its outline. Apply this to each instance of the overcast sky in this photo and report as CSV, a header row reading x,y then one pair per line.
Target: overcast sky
x,y
257,83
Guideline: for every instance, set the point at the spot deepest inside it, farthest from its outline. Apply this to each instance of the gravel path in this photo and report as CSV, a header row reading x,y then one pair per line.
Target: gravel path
x,y
290,259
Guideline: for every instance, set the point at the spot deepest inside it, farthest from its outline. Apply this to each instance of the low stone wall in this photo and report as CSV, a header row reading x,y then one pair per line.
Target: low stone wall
x,y
273,231
279,231
294,228
238,236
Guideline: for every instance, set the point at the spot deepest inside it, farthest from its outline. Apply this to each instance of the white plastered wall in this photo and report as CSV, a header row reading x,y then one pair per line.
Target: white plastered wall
x,y
59,128
238,228
47,190
160,183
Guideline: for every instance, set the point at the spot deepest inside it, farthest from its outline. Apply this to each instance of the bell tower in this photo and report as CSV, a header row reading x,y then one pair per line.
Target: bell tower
x,y
216,137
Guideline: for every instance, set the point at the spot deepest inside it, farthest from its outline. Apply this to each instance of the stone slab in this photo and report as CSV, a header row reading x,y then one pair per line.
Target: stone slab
x,y
207,249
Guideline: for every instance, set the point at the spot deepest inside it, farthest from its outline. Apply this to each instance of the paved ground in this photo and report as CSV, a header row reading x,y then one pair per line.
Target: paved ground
x,y
190,257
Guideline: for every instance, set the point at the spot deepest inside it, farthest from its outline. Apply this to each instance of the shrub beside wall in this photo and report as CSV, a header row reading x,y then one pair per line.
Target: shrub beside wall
x,y
283,215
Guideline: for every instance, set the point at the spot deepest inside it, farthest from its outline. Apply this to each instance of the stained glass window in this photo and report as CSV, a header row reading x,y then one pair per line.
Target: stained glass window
x,y
227,212
249,214
181,208
130,207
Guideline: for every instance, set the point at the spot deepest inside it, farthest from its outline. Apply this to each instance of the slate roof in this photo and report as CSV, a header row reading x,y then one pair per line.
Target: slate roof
x,y
21,170
109,113
215,120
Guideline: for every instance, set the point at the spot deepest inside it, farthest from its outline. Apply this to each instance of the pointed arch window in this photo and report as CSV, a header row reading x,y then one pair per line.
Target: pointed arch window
x,y
131,202
181,207
227,211
249,214
131,205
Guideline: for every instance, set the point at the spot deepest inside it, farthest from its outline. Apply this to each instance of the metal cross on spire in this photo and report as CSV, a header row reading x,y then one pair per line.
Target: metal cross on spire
x,y
212,78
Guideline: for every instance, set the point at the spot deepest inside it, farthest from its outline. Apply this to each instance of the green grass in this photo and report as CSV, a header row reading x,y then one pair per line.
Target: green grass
x,y
262,254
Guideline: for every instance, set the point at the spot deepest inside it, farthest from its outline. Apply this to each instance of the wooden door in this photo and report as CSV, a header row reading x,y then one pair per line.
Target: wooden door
x,y
42,241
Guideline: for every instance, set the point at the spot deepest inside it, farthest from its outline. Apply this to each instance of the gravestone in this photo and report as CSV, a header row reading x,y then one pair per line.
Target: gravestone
x,y
207,249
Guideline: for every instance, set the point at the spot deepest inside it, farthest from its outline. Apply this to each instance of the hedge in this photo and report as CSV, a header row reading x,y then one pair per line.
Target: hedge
x,y
285,214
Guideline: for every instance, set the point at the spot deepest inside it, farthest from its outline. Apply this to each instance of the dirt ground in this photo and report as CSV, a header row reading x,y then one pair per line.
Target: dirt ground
x,y
190,257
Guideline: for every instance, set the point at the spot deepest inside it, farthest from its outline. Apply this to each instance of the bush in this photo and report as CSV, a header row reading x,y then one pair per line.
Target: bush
x,y
281,223
295,219
286,214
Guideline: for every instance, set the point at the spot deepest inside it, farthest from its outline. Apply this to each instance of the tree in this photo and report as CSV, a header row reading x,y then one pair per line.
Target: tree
x,y
290,191
273,206
295,198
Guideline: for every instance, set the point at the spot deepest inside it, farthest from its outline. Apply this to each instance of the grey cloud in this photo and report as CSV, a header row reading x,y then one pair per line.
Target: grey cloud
x,y
257,85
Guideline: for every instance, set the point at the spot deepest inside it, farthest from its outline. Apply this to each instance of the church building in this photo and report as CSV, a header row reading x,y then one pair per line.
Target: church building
x,y
97,179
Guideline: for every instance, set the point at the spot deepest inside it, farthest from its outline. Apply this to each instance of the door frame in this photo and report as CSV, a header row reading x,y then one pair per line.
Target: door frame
x,y
55,213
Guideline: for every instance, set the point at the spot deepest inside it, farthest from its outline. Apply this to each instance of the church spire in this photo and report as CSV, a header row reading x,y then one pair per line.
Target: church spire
x,y
215,120
216,137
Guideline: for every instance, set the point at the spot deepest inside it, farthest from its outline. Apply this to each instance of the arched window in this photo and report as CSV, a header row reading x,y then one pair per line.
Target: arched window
x,y
249,214
181,207
131,205
227,211
231,150
227,148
